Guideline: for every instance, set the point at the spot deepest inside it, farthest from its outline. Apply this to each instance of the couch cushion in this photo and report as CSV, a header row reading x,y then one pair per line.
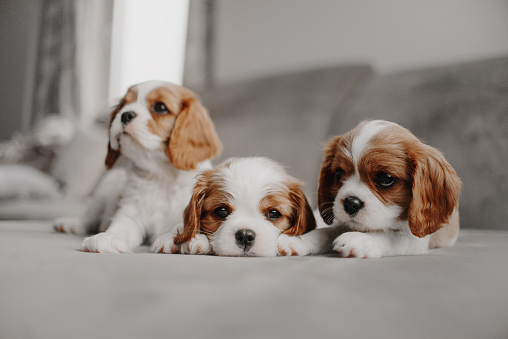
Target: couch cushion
x,y
80,164
463,111
284,117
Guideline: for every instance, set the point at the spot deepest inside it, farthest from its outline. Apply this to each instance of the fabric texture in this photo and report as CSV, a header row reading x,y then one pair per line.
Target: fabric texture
x,y
49,289
462,110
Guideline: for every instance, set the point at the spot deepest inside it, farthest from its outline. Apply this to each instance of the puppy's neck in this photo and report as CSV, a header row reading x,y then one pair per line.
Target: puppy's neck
x,y
155,170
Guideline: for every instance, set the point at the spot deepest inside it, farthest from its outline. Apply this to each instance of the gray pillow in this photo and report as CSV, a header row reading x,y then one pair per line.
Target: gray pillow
x,y
24,182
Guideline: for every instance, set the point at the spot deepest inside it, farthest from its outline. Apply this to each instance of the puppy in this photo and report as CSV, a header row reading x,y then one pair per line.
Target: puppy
x,y
387,193
239,209
164,135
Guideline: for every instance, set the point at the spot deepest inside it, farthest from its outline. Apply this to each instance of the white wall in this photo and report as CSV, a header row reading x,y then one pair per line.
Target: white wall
x,y
263,37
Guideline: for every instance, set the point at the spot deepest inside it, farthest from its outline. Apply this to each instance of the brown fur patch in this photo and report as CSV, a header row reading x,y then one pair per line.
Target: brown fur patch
x,y
171,97
302,218
282,203
388,152
336,158
193,138
194,215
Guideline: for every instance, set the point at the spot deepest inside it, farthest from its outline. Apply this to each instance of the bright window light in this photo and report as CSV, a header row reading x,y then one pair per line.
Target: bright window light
x,y
149,39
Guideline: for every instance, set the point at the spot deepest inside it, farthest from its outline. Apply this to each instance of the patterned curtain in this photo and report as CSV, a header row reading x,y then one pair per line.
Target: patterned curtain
x,y
198,69
56,78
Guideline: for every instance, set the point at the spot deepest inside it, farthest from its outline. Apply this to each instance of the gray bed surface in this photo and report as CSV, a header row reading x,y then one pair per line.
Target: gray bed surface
x,y
49,289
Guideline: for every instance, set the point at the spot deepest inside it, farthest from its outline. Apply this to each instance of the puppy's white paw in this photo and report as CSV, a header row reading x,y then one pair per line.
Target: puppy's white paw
x,y
105,243
288,246
69,225
165,244
197,245
357,245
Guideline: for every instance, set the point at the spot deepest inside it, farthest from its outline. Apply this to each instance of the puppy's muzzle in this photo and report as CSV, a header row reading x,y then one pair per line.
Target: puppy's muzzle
x,y
245,239
127,117
352,205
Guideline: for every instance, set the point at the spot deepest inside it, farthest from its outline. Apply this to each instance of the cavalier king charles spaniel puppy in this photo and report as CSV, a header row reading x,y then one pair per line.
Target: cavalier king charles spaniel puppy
x,y
164,136
240,208
386,192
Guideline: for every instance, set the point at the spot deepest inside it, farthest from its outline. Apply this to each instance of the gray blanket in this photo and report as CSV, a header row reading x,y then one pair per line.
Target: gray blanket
x,y
49,289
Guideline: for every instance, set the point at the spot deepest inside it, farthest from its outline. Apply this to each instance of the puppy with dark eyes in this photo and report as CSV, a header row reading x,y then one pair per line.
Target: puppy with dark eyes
x,y
386,192
240,208
164,136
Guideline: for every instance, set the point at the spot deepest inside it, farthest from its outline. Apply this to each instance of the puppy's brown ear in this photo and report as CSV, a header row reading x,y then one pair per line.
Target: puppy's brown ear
x,y
436,189
113,154
193,138
326,191
192,214
302,219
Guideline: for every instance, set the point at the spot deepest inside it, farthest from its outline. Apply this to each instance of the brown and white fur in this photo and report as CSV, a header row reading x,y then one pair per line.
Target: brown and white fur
x,y
165,136
240,208
386,192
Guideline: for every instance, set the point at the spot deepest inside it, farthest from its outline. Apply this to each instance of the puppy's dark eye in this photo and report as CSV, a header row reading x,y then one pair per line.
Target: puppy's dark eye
x,y
221,212
273,215
384,180
339,174
160,108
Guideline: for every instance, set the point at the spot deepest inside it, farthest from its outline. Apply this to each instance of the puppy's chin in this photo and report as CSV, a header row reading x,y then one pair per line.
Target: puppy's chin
x,y
223,241
135,151
384,218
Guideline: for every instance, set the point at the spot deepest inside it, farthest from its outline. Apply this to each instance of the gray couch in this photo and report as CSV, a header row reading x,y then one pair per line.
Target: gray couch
x,y
49,289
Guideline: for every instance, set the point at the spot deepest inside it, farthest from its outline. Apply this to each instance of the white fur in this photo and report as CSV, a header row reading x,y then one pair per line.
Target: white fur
x,y
361,141
374,216
248,181
154,193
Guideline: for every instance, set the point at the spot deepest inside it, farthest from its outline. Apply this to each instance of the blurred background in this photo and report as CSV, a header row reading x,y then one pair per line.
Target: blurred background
x,y
278,76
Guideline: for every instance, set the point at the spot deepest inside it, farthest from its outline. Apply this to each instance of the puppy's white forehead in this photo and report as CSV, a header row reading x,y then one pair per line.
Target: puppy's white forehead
x,y
252,178
146,87
367,132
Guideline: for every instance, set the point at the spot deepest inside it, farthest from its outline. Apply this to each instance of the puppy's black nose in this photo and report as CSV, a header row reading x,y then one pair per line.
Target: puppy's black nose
x,y
127,117
245,239
352,205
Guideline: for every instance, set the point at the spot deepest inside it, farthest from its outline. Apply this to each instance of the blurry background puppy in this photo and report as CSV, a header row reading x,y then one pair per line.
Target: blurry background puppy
x,y
388,193
239,209
164,135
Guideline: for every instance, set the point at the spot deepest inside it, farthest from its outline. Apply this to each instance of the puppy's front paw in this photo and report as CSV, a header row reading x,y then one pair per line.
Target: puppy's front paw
x,y
197,245
105,243
69,225
287,246
165,244
357,245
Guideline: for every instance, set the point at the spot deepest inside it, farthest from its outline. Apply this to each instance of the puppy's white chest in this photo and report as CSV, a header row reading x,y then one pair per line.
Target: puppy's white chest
x,y
156,204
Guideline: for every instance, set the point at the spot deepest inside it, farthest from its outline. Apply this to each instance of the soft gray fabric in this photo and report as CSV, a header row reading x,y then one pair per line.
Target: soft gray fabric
x,y
24,182
284,117
49,289
463,111
36,209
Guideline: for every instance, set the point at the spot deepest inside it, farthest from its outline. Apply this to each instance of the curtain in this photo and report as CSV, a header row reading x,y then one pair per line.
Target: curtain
x,y
56,85
73,60
198,69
